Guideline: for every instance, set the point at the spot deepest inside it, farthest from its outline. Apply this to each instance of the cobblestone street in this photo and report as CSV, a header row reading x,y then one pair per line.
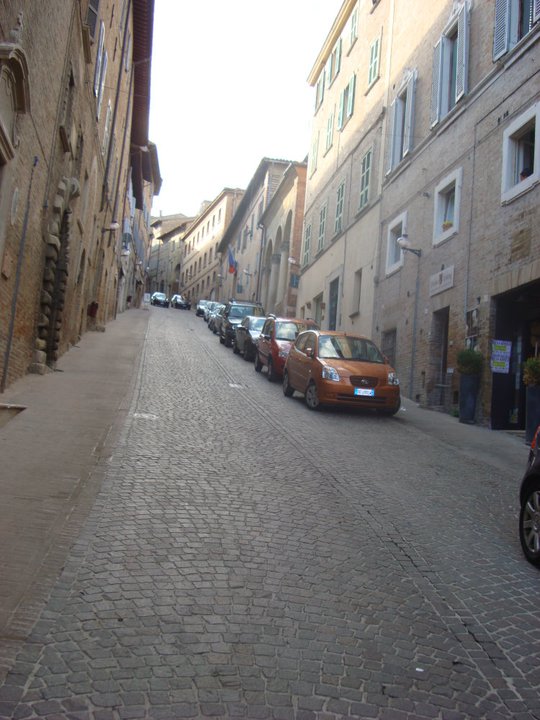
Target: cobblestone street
x,y
248,558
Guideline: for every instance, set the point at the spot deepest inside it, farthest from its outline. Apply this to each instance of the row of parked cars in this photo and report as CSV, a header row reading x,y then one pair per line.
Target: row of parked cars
x,y
339,368
327,367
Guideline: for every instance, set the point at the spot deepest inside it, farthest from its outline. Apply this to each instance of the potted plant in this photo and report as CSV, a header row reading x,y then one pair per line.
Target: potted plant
x,y
447,224
531,379
469,366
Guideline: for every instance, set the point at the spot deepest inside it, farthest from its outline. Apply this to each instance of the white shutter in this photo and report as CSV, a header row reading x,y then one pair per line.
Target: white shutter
x,y
536,11
436,84
338,58
408,130
501,30
99,57
104,64
350,98
341,111
391,135
462,69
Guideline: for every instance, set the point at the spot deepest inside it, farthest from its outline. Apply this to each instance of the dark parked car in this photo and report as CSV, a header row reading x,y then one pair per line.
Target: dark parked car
x,y
233,314
246,336
337,368
276,338
200,308
529,500
159,298
177,301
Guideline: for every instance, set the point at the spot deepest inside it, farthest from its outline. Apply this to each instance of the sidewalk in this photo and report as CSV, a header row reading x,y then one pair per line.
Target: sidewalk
x,y
53,455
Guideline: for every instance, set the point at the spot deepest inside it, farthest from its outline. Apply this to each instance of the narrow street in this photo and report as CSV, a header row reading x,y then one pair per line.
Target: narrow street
x,y
248,558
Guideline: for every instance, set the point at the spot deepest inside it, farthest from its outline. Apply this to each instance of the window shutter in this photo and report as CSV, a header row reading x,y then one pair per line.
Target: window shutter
x,y
536,11
392,135
350,98
436,84
102,82
408,129
341,111
502,28
338,58
462,70
99,58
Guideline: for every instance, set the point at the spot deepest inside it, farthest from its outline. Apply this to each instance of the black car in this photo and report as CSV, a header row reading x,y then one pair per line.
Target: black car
x,y
179,302
159,298
529,499
246,336
233,315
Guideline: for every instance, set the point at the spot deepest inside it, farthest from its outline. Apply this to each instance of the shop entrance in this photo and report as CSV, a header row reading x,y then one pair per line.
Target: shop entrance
x,y
518,324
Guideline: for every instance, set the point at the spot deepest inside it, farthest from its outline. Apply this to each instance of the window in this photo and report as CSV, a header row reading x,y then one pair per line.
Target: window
x,y
365,176
107,129
92,16
307,245
322,228
333,64
450,65
346,103
402,122
513,20
99,58
339,208
394,254
447,202
521,154
329,132
373,68
319,90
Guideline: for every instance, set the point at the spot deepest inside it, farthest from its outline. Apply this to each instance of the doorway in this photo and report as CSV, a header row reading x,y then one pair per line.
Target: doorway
x,y
333,297
439,388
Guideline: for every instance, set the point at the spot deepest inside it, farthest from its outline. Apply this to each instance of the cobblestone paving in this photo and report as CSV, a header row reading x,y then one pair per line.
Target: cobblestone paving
x,y
249,559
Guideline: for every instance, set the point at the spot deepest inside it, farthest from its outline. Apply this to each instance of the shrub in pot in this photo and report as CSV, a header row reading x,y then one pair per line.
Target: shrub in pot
x,y
469,366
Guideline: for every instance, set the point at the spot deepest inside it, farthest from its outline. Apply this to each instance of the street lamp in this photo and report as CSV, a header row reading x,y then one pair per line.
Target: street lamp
x,y
405,246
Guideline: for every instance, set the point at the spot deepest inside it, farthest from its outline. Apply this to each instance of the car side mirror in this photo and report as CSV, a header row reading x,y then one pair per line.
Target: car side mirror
x,y
310,352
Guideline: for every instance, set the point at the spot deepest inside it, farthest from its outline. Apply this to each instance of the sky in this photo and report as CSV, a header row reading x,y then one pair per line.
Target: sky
x,y
229,87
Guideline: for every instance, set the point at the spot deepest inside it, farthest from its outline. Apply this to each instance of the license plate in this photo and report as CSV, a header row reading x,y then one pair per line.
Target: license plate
x,y
366,392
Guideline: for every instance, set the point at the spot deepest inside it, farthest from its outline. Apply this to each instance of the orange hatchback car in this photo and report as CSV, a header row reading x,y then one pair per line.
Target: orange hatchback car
x,y
337,368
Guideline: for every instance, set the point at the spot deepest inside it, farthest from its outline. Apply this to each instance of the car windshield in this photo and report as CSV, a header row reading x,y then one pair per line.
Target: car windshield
x,y
159,295
256,323
349,348
289,330
240,311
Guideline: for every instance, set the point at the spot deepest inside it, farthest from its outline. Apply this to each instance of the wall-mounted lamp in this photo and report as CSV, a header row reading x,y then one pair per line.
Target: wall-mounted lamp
x,y
405,245
292,261
115,225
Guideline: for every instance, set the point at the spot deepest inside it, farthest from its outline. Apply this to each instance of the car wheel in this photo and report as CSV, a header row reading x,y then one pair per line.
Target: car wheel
x,y
271,371
221,339
258,363
247,354
312,397
235,349
288,390
529,523
228,341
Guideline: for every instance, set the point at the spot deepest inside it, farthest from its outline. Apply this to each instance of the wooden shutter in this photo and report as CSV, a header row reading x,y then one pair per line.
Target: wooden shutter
x,y
536,11
392,135
462,69
350,98
104,64
436,84
501,31
341,111
99,58
408,128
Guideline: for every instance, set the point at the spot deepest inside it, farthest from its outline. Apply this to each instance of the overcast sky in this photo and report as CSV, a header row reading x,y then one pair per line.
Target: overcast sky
x,y
229,87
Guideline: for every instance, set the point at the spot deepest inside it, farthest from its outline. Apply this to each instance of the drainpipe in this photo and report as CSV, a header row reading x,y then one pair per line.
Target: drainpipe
x,y
17,281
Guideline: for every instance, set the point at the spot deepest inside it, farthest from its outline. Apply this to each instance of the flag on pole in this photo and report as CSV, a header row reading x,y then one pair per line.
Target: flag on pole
x,y
232,261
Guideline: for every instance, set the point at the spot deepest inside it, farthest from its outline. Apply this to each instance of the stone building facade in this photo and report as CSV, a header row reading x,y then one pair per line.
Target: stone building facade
x,y
282,224
73,133
243,245
202,276
434,168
